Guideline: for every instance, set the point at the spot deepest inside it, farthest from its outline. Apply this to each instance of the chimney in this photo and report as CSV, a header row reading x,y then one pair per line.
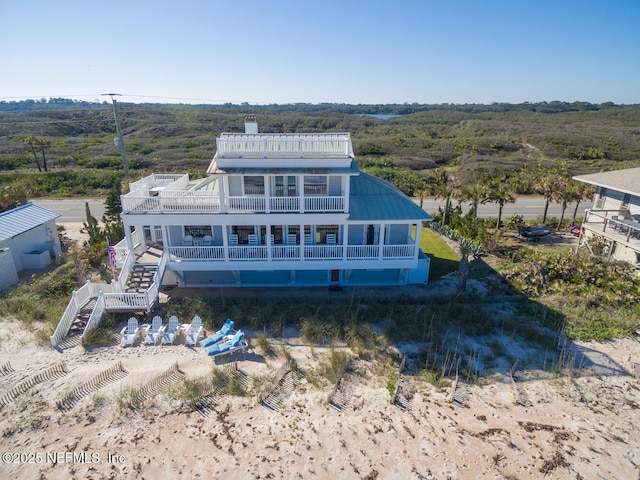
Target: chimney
x,y
251,124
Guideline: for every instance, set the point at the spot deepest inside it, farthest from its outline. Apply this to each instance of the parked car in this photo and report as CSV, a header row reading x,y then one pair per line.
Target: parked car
x,y
536,233
575,230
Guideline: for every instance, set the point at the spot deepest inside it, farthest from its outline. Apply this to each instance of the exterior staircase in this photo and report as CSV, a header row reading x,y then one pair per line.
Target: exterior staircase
x,y
82,317
140,278
136,290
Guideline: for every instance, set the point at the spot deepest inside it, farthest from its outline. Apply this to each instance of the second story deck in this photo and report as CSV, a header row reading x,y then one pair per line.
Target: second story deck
x,y
173,194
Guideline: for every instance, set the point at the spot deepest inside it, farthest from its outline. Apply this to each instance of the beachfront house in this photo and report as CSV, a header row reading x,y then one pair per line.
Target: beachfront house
x,y
278,210
28,240
614,217
274,210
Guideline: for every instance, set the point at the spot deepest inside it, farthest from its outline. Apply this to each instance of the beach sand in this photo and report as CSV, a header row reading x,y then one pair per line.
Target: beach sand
x,y
571,425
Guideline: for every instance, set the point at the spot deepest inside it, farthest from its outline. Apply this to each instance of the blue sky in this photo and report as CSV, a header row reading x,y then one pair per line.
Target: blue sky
x,y
281,51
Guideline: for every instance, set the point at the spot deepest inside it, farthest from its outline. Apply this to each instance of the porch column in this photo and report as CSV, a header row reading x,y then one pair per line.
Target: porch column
x,y
267,193
221,191
381,235
269,244
300,179
302,244
416,244
225,241
347,187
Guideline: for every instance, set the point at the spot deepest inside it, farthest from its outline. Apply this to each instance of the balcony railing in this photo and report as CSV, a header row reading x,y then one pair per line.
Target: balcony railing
x,y
196,202
612,224
290,252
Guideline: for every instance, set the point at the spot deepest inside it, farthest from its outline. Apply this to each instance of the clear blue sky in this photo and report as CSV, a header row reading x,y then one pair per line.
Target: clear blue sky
x,y
281,51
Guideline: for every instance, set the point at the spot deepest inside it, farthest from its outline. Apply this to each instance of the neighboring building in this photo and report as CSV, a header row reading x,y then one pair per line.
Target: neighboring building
x,y
277,210
614,217
29,233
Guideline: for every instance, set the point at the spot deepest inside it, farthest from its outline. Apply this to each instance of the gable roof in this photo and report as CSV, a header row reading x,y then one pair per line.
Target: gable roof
x,y
22,219
371,198
626,181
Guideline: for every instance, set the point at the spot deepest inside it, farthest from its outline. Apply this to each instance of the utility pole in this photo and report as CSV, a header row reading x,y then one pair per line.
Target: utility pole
x,y
119,141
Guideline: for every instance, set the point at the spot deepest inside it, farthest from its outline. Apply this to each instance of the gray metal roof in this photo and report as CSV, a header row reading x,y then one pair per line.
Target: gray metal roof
x,y
626,181
372,198
22,219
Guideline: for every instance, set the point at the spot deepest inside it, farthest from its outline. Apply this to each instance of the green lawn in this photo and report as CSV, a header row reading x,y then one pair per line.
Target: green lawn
x,y
443,259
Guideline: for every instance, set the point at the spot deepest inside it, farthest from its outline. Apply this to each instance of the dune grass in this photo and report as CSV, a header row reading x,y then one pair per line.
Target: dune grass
x,y
443,259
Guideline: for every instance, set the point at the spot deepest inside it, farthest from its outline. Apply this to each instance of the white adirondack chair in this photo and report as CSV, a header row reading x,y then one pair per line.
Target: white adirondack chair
x,y
154,332
171,331
130,332
194,331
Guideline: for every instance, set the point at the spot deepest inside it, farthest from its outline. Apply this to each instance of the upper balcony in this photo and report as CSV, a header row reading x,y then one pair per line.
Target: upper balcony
x,y
614,226
174,194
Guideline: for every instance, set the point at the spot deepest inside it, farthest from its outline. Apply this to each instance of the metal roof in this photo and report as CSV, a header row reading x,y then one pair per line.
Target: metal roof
x,y
372,198
22,219
626,181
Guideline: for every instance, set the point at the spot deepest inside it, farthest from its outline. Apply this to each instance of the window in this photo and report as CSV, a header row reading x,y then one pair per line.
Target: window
x,y
315,185
253,185
323,230
284,186
197,231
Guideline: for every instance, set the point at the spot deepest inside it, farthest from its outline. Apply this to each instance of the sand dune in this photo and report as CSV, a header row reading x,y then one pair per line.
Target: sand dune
x,y
575,426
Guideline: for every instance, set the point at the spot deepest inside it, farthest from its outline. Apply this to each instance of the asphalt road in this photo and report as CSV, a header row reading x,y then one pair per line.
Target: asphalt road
x,y
529,207
73,210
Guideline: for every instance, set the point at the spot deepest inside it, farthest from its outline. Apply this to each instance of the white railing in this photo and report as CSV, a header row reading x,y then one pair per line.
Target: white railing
x,y
187,202
398,251
190,254
245,204
126,302
324,204
125,270
96,315
285,252
78,299
284,145
362,251
323,252
284,204
247,253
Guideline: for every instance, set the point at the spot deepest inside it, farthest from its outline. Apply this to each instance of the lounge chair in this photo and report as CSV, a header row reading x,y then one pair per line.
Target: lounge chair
x,y
207,240
154,331
194,331
130,332
220,334
171,331
188,241
234,344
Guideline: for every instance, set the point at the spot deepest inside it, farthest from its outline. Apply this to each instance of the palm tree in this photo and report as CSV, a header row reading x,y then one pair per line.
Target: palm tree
x,y
584,191
501,190
474,194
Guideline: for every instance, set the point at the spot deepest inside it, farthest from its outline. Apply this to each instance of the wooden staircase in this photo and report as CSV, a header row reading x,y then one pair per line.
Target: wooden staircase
x,y
80,322
140,278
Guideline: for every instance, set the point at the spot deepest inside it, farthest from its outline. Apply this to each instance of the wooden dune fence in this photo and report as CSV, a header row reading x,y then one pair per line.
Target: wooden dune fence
x,y
164,380
50,373
71,399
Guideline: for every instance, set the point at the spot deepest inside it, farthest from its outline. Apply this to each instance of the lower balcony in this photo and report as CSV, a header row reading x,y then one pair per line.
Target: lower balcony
x,y
279,253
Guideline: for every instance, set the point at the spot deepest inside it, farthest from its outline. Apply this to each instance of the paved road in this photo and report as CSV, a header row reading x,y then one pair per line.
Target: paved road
x,y
529,207
73,210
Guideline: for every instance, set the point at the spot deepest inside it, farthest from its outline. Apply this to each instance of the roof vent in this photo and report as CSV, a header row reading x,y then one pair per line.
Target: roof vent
x,y
251,124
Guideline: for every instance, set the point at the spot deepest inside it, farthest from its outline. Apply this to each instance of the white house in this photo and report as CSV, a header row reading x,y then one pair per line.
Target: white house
x,y
278,210
614,217
275,210
28,233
